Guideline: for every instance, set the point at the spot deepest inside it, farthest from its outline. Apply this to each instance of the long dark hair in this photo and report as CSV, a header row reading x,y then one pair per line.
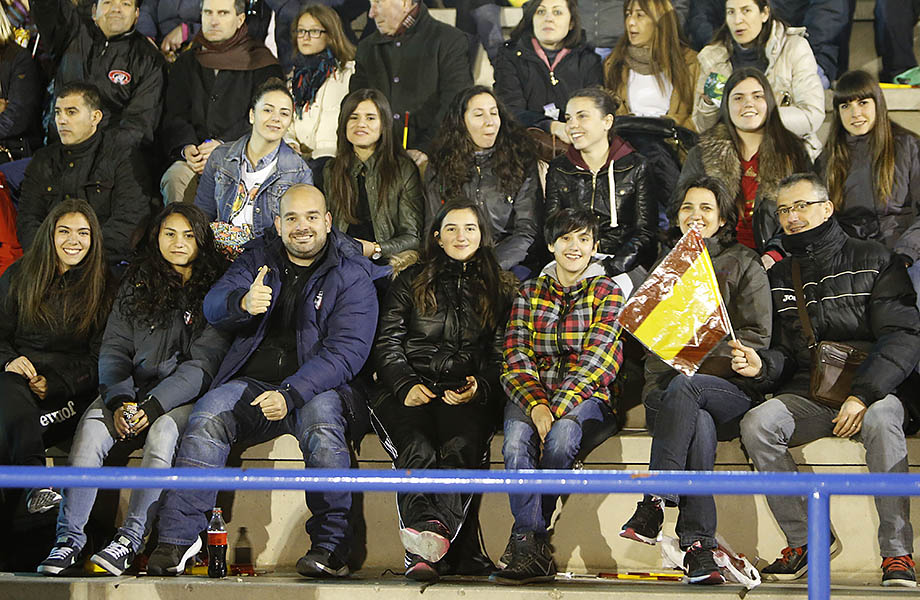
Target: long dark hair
x,y
788,148
666,49
342,192
852,87
485,293
524,28
728,209
81,305
153,290
723,34
454,155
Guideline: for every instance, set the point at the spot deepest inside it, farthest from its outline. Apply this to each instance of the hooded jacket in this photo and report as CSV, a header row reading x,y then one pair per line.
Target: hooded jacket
x,y
746,294
513,215
562,345
335,324
894,223
128,70
715,155
522,80
792,73
171,362
854,292
443,348
627,226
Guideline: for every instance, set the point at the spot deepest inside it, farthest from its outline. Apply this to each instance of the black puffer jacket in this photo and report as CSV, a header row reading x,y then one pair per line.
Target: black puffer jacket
x,y
523,83
128,70
570,184
854,293
512,213
102,171
67,361
442,348
21,86
173,362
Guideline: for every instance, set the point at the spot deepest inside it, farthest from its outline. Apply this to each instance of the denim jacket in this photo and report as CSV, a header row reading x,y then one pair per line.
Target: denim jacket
x,y
217,187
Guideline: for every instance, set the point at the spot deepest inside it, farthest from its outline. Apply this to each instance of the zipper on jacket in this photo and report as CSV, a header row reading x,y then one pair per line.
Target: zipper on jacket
x,y
593,187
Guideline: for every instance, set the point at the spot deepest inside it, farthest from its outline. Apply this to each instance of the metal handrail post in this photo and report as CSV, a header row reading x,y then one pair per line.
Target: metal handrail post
x,y
819,542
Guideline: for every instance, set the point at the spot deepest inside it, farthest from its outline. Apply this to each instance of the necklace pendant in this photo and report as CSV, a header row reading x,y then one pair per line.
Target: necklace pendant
x,y
552,78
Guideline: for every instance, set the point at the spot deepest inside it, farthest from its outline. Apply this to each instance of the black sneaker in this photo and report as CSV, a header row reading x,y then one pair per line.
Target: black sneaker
x,y
701,566
41,500
170,559
429,540
531,561
899,570
63,556
116,557
419,569
645,524
321,564
505,558
793,563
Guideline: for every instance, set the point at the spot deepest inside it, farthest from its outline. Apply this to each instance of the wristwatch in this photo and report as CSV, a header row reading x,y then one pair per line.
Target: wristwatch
x,y
378,252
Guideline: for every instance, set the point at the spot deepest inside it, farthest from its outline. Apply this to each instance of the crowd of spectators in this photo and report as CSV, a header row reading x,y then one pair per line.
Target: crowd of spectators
x,y
357,238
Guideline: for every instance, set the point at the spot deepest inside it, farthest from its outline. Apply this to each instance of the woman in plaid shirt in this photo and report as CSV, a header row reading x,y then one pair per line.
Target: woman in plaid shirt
x,y
562,351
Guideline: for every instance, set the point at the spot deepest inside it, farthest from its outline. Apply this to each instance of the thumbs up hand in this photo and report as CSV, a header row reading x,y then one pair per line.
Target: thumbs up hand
x,y
259,297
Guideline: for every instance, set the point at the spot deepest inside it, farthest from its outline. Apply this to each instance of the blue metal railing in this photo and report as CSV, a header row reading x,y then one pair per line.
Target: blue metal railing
x,y
817,487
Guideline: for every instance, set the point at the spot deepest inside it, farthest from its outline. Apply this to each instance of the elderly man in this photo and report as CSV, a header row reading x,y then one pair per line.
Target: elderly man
x,y
107,52
418,63
853,291
209,93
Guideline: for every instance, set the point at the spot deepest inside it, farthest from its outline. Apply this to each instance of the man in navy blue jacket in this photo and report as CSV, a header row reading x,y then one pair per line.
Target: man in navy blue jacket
x,y
304,312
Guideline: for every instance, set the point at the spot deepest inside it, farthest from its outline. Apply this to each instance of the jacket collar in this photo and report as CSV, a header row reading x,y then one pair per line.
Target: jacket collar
x,y
595,269
618,149
87,146
422,21
825,240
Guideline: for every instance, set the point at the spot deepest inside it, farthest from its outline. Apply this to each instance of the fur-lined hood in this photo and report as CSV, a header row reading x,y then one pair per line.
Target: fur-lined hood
x,y
721,160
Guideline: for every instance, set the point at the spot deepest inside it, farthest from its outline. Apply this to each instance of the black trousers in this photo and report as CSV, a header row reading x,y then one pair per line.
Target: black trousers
x,y
825,20
434,436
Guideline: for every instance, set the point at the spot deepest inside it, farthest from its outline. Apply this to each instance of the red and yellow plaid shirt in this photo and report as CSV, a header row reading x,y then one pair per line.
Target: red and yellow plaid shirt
x,y
561,344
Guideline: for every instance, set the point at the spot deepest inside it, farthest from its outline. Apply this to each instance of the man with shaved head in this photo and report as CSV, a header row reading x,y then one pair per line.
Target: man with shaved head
x,y
304,311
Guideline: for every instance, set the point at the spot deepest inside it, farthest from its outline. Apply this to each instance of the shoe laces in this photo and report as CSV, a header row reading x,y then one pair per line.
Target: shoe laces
x,y
790,553
61,552
117,549
898,563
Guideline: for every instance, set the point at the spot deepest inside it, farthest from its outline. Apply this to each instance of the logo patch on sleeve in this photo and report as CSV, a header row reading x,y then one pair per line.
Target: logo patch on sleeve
x,y
120,77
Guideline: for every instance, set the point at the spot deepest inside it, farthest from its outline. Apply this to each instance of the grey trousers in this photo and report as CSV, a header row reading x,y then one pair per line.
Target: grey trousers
x,y
788,420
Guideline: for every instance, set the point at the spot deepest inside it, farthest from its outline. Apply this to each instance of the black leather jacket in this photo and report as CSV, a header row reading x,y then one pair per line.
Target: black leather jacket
x,y
570,184
441,349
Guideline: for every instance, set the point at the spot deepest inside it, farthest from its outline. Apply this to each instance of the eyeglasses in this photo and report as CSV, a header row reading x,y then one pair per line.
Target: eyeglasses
x,y
313,33
798,207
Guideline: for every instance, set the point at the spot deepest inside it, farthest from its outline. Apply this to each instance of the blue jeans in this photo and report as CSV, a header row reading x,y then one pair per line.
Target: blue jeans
x,y
685,438
532,512
93,441
223,417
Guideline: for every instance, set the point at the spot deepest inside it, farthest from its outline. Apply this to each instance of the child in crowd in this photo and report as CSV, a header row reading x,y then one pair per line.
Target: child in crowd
x,y
562,352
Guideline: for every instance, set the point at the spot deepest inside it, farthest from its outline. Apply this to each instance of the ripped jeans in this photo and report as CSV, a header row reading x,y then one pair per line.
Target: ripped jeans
x,y
532,512
225,416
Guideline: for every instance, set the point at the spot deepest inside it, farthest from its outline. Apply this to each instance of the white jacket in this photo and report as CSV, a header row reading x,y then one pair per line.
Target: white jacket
x,y
316,128
791,71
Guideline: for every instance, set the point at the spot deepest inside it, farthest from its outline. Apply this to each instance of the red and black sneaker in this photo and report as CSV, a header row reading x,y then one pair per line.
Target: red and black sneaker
x,y
899,570
701,567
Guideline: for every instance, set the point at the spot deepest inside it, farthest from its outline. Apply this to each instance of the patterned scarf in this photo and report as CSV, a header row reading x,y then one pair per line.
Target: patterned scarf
x,y
310,73
408,22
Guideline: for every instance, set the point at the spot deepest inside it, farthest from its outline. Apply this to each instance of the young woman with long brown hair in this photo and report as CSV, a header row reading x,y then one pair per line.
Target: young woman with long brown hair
x,y
372,187
53,305
750,151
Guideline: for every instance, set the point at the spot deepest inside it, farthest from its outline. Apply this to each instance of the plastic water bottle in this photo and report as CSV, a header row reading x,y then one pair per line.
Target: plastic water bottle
x,y
217,545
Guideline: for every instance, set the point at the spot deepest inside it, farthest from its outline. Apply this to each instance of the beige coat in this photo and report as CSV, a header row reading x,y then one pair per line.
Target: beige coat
x,y
679,111
316,128
791,71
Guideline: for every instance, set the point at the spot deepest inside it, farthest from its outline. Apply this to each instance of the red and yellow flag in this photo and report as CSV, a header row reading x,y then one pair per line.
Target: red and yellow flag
x,y
678,313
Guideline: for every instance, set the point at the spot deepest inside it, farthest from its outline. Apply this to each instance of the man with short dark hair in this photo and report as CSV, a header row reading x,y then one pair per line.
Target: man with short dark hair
x,y
853,291
90,164
304,311
125,67
207,100
418,63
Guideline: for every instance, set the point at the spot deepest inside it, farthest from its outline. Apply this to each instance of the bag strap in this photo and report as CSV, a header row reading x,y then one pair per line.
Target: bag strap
x,y
800,302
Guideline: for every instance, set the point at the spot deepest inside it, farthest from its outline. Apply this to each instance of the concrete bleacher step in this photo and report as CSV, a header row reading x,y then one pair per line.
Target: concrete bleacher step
x,y
365,586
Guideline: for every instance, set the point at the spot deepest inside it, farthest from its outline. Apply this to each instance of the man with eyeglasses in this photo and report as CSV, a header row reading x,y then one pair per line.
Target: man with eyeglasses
x,y
858,292
208,93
